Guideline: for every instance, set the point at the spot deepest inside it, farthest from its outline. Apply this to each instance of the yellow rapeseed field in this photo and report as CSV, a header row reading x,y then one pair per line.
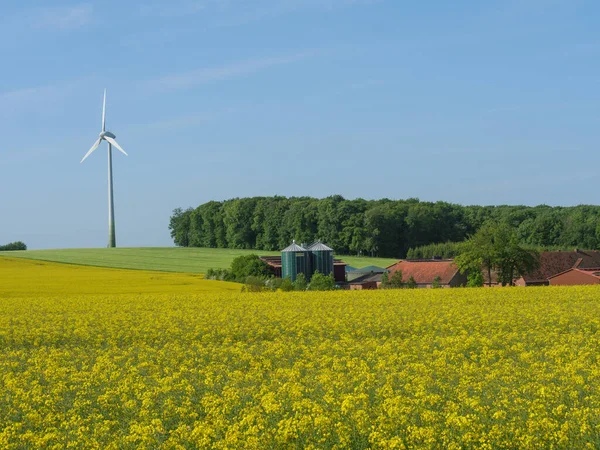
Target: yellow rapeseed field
x,y
25,277
460,368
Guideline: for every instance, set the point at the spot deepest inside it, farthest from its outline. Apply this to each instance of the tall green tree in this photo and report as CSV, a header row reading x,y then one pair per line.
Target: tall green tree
x,y
513,260
179,225
479,251
496,247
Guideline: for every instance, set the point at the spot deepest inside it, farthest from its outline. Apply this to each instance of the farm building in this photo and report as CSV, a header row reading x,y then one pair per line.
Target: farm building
x,y
425,271
294,261
365,282
352,273
555,263
274,262
573,277
306,259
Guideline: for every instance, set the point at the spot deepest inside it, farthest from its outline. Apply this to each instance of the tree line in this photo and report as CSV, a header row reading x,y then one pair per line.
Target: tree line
x,y
13,246
385,228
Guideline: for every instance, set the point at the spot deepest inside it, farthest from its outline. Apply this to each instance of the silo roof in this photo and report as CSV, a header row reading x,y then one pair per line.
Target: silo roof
x,y
293,248
319,247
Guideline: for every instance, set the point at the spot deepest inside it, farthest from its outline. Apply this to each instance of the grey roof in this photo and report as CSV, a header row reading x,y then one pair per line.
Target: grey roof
x,y
293,248
366,278
319,247
370,269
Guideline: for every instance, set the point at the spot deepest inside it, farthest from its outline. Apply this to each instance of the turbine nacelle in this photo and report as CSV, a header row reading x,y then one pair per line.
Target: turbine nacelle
x,y
106,134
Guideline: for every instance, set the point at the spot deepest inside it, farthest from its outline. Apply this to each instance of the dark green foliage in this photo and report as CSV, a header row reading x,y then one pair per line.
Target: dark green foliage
x,y
218,274
300,284
385,281
243,267
180,226
475,279
13,246
392,228
320,282
286,285
274,283
445,250
254,284
395,281
411,283
496,247
436,282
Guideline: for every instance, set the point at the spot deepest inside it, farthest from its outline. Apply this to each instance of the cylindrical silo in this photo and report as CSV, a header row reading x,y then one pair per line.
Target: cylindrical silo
x,y
295,260
322,258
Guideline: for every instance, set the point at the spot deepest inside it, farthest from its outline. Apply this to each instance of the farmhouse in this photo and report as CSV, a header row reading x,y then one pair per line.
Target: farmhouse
x,y
556,263
574,277
425,272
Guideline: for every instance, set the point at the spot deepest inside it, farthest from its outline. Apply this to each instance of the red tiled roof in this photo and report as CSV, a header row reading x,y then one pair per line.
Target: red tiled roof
x,y
425,271
594,272
553,263
273,261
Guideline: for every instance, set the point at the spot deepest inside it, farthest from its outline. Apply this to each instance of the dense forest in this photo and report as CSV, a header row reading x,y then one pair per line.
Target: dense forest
x,y
386,228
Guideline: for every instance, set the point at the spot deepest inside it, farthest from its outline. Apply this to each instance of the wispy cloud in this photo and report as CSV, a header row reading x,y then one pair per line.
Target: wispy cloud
x,y
11,101
192,120
214,14
242,11
43,97
60,17
24,21
212,74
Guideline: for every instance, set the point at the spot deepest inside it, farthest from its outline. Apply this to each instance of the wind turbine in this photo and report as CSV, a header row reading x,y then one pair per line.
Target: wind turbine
x,y
110,138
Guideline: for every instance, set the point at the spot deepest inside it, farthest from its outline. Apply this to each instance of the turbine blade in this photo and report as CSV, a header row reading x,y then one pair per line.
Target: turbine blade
x,y
113,142
104,112
94,147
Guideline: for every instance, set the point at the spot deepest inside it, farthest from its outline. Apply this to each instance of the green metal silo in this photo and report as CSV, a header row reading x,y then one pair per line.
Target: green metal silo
x,y
295,260
321,258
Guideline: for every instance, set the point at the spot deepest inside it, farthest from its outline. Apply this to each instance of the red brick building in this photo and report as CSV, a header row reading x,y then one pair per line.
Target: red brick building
x,y
575,277
425,272
555,263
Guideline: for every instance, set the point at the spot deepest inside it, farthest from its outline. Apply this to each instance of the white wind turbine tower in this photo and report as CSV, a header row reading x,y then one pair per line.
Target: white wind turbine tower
x,y
110,138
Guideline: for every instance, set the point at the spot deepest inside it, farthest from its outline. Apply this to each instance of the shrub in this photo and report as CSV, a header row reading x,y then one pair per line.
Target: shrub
x,y
245,266
286,285
395,281
254,284
320,282
300,283
274,283
385,281
218,274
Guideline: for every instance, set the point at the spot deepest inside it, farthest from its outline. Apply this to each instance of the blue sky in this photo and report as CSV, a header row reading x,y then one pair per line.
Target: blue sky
x,y
466,101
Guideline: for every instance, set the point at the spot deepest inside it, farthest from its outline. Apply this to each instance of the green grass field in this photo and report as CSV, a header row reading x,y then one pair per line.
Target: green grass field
x,y
167,259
